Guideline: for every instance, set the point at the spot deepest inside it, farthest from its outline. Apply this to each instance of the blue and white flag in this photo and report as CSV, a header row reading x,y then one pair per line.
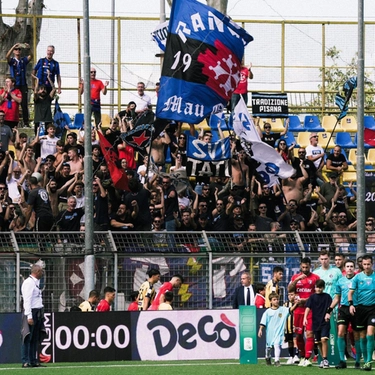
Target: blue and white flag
x,y
160,34
272,166
219,118
208,159
202,62
342,101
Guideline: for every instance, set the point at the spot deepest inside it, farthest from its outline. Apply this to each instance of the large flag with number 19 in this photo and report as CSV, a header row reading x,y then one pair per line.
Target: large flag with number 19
x,y
202,62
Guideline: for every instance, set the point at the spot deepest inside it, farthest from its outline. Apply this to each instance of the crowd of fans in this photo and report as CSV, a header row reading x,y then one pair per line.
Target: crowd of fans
x,y
42,188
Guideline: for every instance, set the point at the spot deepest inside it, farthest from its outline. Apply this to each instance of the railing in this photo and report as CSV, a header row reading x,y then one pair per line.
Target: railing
x,y
287,56
210,262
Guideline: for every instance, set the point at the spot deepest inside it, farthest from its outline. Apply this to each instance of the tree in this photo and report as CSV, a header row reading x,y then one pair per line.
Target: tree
x,y
334,79
22,31
220,5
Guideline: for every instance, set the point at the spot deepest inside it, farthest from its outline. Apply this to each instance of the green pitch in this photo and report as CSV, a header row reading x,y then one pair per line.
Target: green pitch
x,y
222,367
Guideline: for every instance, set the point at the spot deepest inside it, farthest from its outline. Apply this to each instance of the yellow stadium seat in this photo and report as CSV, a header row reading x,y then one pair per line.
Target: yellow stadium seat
x,y
349,176
324,138
12,148
329,122
303,139
349,124
371,156
353,157
106,120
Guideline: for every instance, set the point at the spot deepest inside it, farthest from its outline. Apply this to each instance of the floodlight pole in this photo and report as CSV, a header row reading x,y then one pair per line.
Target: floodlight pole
x,y
89,224
361,204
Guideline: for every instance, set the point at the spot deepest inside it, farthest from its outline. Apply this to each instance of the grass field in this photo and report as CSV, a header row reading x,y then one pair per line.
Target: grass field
x,y
224,367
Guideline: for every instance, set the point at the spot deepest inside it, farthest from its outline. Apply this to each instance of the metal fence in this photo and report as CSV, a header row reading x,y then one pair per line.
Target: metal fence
x,y
210,262
287,56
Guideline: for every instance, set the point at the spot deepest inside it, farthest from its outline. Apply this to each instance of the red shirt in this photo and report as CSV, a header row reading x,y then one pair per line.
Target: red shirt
x,y
305,288
133,306
259,301
242,85
11,114
164,288
96,87
103,306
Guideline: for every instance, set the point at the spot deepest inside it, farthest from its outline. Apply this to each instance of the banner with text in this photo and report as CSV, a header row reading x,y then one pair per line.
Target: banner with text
x,y
269,105
208,159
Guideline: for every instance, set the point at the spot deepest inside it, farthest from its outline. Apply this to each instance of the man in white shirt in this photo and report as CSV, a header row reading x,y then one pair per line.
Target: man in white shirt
x,y
33,317
141,99
315,153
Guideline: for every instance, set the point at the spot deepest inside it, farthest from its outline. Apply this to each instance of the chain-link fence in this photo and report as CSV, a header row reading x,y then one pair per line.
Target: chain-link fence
x,y
210,262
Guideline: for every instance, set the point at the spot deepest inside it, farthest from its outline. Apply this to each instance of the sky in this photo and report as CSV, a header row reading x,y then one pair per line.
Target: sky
x,y
302,39
250,9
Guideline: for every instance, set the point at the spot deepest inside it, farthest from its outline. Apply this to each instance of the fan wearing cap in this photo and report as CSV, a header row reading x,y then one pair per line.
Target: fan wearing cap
x,y
315,153
203,223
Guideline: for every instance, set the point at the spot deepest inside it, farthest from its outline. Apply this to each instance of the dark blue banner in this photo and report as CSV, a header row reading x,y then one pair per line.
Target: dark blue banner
x,y
202,62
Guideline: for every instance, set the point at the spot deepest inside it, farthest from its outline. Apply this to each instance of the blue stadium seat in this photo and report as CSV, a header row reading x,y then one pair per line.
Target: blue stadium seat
x,y
295,124
369,122
344,140
289,138
312,124
78,121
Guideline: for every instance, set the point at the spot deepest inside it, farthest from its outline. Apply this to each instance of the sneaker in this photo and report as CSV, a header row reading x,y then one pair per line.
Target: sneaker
x,y
325,363
357,366
367,366
268,362
315,359
301,362
341,365
321,364
307,363
296,360
277,364
289,361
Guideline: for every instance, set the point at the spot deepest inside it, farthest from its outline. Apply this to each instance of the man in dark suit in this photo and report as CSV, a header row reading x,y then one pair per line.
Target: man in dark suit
x,y
244,294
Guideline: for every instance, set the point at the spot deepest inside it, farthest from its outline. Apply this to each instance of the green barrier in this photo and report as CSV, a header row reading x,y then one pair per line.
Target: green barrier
x,y
248,335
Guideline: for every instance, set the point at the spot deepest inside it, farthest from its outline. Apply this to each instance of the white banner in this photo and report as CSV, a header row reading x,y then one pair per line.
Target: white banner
x,y
181,335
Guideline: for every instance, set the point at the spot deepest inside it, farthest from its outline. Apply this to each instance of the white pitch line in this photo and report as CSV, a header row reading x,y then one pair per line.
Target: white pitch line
x,y
140,365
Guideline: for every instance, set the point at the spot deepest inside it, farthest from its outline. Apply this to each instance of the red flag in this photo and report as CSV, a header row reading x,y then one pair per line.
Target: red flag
x,y
118,176
369,137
